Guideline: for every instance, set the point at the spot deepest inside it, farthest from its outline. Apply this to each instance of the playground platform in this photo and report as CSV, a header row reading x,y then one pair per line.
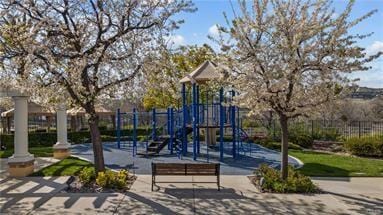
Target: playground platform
x,y
243,165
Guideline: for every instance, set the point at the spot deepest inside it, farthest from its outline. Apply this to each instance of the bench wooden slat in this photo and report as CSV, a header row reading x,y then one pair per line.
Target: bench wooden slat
x,y
187,169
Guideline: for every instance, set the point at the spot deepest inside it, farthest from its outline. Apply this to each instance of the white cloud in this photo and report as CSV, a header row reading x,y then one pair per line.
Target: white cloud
x,y
176,40
374,48
196,35
374,76
371,78
213,31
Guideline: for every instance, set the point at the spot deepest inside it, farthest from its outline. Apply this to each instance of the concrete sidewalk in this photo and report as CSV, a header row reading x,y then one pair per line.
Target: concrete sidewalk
x,y
34,195
40,162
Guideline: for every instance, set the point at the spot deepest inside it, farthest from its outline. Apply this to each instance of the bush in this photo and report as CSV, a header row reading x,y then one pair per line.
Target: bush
x,y
120,179
328,134
275,145
102,179
50,138
110,179
365,146
295,183
301,138
87,175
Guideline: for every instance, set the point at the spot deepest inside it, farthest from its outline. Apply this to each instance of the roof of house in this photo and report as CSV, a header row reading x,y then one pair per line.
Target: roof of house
x,y
100,110
33,109
39,110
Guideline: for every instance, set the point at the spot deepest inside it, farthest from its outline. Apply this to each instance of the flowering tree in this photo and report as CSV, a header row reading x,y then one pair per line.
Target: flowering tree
x,y
84,49
163,87
291,57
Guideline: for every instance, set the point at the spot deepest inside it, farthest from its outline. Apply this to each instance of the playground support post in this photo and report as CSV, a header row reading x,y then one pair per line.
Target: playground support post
x,y
118,128
207,126
134,132
194,121
239,141
198,120
168,123
171,129
233,126
184,121
221,124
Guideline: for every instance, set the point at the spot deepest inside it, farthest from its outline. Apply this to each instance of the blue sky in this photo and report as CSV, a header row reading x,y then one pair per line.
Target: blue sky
x,y
210,12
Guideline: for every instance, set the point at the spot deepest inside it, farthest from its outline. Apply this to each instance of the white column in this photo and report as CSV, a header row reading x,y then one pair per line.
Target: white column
x,y
61,120
21,153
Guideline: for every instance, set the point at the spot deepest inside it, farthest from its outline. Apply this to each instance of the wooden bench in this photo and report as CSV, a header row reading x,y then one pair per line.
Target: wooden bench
x,y
186,169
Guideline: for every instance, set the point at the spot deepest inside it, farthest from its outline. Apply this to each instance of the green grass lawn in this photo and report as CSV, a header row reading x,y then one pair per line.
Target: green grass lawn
x,y
67,167
38,151
324,164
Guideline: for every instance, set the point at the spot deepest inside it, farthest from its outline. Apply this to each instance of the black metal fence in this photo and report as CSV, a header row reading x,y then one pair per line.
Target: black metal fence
x,y
318,129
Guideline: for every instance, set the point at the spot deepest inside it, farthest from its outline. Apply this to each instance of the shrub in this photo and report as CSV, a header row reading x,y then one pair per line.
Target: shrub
x,y
110,179
120,179
328,134
365,146
295,183
87,175
79,137
102,179
50,138
102,127
276,145
332,134
300,138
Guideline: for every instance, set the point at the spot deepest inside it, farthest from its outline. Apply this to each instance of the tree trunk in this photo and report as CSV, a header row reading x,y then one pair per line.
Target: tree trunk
x,y
284,146
96,141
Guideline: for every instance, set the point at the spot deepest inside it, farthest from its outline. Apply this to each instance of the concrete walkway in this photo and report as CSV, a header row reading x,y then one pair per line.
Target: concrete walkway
x,y
34,195
40,162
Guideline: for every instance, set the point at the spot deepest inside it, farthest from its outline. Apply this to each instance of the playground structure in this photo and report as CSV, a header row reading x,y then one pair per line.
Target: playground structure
x,y
198,114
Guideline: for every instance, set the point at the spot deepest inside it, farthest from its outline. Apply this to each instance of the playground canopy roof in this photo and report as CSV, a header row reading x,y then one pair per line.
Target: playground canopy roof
x,y
33,109
207,71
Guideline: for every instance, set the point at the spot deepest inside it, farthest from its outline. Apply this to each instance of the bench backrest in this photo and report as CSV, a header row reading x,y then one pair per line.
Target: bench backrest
x,y
185,169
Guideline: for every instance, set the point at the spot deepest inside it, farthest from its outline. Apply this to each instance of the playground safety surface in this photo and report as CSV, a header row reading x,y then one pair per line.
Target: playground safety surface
x,y
245,163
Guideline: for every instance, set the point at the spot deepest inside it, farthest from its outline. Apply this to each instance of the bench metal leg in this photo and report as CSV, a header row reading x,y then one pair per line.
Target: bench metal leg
x,y
218,183
153,181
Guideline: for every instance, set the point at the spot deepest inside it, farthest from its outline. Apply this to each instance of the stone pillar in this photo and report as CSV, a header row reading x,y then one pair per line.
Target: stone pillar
x,y
61,149
21,163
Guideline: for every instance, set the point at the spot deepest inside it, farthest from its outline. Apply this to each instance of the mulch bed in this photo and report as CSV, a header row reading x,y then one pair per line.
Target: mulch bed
x,y
75,186
330,146
255,180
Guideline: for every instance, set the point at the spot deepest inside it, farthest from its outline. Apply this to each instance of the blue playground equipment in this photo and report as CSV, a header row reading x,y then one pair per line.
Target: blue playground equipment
x,y
198,113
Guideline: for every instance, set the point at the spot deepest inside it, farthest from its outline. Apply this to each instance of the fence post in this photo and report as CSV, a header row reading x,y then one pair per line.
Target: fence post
x,y
359,128
273,129
312,129
134,132
171,112
168,124
118,128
